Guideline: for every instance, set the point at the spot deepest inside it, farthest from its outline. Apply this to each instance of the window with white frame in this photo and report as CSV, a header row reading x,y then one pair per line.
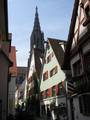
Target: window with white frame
x,y
53,71
45,75
77,68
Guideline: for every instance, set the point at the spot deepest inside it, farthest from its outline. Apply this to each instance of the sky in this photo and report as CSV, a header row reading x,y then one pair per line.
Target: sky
x,y
54,17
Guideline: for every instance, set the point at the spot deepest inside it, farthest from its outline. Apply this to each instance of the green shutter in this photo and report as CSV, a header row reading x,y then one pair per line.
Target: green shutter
x,y
60,89
53,91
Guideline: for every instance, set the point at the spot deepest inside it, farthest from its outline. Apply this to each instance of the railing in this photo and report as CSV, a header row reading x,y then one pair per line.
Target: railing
x,y
81,83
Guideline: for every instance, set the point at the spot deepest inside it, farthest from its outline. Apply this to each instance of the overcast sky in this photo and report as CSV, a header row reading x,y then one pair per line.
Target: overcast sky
x,y
54,17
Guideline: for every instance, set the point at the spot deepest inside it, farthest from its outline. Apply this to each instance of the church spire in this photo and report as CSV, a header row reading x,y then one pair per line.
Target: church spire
x,y
36,21
36,10
37,36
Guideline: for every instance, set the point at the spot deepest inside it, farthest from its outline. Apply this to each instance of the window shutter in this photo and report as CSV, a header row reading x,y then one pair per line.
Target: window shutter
x,y
63,87
49,92
57,89
53,91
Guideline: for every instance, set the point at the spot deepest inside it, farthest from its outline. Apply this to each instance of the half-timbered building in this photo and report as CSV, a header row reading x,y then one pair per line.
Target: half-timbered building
x,y
77,60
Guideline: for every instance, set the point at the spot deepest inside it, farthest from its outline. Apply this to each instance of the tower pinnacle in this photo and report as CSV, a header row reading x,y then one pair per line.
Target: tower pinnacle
x,y
36,21
37,38
36,9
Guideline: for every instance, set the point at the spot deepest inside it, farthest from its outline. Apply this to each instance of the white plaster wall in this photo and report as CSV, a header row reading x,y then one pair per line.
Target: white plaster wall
x,y
21,90
31,70
56,99
57,78
16,97
25,91
31,85
11,96
32,65
60,99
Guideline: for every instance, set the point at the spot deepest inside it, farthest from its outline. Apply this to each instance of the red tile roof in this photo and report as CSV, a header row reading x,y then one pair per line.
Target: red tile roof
x,y
12,56
59,52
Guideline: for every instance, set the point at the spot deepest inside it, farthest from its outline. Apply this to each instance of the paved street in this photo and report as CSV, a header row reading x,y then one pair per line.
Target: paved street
x,y
41,118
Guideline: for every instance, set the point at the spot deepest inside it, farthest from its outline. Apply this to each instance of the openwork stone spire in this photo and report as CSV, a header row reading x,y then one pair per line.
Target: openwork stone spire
x,y
37,36
36,21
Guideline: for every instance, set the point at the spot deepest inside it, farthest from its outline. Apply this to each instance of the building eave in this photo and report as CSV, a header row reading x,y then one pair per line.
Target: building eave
x,y
66,62
6,57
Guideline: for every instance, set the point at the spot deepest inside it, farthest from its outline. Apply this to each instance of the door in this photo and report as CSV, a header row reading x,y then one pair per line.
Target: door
x,y
72,109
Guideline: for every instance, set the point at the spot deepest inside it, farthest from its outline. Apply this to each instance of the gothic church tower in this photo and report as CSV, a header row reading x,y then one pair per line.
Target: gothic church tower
x,y
37,36
35,65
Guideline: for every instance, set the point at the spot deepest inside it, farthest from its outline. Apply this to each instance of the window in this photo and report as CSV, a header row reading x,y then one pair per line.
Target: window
x,y
57,89
53,71
87,65
48,92
43,95
84,104
87,61
49,58
60,89
77,68
45,75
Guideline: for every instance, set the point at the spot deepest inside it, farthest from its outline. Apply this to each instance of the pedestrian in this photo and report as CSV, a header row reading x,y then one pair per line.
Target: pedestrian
x,y
54,114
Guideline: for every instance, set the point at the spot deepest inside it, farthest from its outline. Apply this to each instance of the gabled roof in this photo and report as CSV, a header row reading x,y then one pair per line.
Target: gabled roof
x,y
66,63
58,50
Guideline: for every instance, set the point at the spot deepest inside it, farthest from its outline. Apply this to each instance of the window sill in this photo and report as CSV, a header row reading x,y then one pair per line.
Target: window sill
x,y
78,76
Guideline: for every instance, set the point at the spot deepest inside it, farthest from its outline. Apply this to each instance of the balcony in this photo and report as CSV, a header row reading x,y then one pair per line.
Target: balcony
x,y
82,83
